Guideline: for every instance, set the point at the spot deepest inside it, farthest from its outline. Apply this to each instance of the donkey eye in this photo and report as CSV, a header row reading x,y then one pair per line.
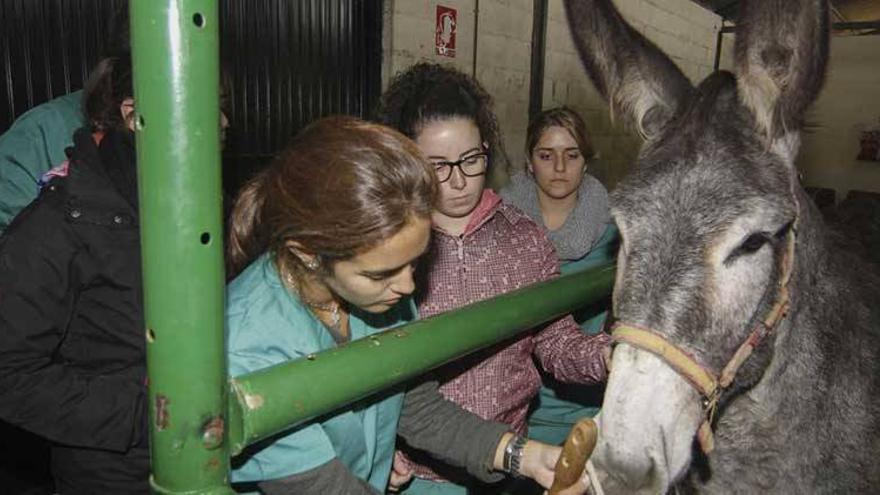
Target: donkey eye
x,y
753,243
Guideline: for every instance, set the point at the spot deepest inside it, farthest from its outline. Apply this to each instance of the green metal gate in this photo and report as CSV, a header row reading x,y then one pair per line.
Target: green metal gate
x,y
198,417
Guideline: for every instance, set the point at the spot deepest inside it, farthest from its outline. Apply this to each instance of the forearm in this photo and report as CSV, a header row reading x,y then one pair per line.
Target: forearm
x,y
331,478
431,423
571,355
428,424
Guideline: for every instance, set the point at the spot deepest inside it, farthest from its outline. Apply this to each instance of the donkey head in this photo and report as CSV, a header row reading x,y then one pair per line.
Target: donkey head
x,y
704,216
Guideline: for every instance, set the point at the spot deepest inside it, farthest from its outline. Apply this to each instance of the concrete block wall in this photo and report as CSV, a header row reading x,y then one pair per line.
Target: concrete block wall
x,y
686,31
848,104
504,50
409,27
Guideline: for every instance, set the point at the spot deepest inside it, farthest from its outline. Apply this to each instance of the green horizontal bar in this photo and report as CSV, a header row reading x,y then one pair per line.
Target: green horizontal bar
x,y
276,398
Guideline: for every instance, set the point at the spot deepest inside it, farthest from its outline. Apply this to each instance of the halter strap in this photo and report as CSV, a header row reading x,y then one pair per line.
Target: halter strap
x,y
707,383
683,363
703,380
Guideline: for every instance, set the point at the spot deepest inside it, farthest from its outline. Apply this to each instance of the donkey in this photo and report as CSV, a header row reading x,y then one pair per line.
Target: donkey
x,y
742,324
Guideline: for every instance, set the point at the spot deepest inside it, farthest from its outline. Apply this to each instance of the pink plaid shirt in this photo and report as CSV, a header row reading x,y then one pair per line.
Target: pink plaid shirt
x,y
502,250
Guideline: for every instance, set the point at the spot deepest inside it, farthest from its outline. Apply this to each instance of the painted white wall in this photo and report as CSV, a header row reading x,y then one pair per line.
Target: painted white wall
x,y
411,37
684,30
849,104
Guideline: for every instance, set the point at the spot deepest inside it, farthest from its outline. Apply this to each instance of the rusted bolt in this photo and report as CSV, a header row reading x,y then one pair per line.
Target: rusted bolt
x,y
212,433
163,417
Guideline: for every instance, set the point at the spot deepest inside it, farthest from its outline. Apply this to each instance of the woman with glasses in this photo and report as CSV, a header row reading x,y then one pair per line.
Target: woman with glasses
x,y
558,193
481,247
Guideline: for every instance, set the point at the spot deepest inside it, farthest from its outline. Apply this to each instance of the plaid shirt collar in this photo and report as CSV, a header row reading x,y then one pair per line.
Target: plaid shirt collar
x,y
490,204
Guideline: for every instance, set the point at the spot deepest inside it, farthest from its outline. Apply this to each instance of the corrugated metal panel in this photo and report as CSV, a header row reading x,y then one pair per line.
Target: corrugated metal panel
x,y
294,61
47,48
291,61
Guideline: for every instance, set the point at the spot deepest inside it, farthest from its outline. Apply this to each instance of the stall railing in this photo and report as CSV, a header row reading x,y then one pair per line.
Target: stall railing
x,y
198,417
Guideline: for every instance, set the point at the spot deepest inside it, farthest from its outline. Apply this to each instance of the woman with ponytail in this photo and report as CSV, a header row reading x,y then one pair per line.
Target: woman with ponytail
x,y
323,245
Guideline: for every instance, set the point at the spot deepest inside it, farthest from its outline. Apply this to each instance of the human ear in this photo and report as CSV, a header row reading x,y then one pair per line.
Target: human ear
x,y
307,259
126,109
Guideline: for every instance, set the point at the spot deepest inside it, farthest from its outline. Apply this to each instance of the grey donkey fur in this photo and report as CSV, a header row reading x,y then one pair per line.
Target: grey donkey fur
x,y
803,415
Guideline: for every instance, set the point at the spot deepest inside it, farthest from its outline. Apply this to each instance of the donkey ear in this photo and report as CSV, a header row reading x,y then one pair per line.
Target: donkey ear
x,y
638,80
781,53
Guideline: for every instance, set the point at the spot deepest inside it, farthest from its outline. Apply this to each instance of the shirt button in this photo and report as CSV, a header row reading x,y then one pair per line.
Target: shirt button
x,y
75,214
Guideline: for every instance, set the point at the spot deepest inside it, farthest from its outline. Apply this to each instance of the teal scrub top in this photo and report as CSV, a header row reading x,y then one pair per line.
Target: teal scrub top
x,y
34,144
553,416
267,325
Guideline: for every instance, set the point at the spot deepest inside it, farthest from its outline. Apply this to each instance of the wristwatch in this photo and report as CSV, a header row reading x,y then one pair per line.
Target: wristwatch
x,y
513,455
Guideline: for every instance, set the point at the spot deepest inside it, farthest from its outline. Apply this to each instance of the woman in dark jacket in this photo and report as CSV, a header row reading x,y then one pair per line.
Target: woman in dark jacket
x,y
72,353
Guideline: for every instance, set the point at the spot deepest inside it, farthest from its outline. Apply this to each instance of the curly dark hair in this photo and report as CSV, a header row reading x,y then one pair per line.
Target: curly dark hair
x,y
426,92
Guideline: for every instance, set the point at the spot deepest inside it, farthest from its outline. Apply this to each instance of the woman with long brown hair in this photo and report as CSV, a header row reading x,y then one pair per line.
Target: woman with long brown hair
x,y
324,243
557,191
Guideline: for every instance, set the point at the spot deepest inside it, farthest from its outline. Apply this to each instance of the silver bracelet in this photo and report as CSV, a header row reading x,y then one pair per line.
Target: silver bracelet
x,y
513,452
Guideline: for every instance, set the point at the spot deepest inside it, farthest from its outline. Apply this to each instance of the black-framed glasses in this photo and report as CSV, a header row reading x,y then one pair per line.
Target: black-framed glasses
x,y
471,166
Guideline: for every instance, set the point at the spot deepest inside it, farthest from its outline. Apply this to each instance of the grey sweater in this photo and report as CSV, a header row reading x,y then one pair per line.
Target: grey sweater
x,y
583,227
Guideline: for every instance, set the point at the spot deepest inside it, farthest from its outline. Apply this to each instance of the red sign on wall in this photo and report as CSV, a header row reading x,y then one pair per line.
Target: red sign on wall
x,y
444,31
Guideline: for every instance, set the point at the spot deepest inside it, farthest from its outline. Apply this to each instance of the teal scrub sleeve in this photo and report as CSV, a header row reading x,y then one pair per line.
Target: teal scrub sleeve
x,y
34,144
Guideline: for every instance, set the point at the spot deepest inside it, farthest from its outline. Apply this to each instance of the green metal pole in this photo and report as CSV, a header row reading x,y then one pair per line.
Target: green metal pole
x,y
271,400
176,86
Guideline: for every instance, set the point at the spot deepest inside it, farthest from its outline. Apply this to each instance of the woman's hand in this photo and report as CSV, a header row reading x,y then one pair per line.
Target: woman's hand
x,y
401,474
539,463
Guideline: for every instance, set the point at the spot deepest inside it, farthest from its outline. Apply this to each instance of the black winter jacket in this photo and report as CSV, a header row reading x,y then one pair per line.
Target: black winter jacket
x,y
72,351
